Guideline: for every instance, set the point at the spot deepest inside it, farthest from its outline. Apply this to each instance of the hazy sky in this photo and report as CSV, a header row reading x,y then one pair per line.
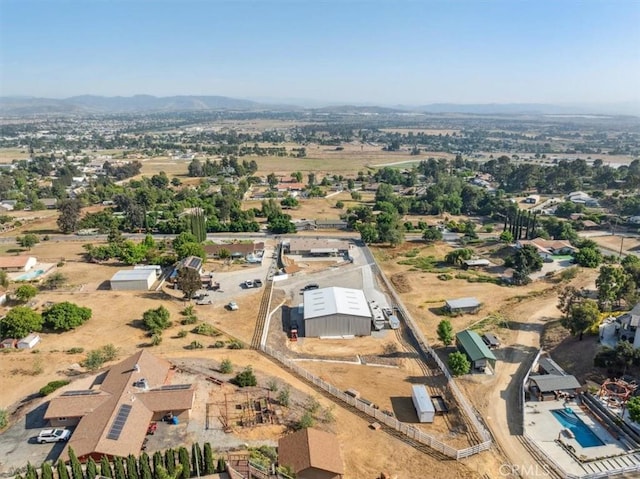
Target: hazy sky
x,y
383,52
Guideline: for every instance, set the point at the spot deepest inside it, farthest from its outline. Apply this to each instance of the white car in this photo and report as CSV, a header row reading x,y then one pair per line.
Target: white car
x,y
53,435
233,306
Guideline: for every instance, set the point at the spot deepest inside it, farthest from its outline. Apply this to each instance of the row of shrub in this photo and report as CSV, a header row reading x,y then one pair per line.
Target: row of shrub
x,y
173,463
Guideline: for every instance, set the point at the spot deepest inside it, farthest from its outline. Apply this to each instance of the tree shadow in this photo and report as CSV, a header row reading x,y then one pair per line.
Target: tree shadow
x,y
137,323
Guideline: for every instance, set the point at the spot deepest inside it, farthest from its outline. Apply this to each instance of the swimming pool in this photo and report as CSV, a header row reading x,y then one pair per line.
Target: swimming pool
x,y
30,275
585,436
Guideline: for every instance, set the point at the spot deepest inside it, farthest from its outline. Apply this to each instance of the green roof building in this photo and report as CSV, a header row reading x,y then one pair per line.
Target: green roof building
x,y
471,344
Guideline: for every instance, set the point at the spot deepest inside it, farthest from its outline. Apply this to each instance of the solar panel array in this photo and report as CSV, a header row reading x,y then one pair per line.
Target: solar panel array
x,y
170,387
119,422
84,392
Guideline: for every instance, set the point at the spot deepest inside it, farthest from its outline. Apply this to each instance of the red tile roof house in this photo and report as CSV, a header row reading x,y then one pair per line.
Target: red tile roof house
x,y
17,263
311,454
112,418
548,248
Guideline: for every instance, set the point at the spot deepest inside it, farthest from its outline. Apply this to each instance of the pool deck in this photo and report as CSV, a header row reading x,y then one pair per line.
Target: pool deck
x,y
541,426
46,267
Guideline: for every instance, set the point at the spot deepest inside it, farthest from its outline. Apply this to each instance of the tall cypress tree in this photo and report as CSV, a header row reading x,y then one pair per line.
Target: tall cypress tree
x,y
183,458
170,461
31,472
144,467
76,468
118,468
132,467
158,461
222,465
209,465
196,458
91,470
105,467
47,471
63,472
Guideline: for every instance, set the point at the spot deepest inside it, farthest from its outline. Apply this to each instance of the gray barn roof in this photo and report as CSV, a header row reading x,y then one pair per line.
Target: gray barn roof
x,y
462,303
553,382
551,367
133,275
334,300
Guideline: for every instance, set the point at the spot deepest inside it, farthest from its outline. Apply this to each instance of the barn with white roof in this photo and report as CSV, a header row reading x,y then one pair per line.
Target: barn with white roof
x,y
331,312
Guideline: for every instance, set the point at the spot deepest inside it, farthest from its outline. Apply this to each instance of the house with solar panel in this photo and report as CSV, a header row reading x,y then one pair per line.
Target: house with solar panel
x,y
111,417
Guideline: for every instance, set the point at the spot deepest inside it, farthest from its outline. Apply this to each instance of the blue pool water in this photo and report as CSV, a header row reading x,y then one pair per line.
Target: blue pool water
x,y
584,435
30,275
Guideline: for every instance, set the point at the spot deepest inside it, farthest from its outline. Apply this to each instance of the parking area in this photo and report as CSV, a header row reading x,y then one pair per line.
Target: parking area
x,y
18,444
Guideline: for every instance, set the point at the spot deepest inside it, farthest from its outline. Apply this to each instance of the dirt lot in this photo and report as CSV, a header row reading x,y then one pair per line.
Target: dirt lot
x,y
629,245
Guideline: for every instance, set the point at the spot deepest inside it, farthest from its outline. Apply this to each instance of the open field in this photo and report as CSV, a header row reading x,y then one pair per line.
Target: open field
x,y
115,316
613,243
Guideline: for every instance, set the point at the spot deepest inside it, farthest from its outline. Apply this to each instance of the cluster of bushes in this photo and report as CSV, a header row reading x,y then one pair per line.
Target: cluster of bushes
x,y
52,386
97,357
174,463
22,320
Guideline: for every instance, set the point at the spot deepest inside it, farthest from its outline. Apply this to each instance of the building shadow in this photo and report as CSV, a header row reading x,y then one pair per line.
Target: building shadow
x,y
35,418
403,409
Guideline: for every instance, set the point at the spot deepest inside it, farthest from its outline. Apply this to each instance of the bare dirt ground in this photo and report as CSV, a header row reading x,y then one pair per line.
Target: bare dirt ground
x,y
527,309
629,245
366,452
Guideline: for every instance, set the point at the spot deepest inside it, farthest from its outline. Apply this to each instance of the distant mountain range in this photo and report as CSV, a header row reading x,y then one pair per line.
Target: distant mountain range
x,y
87,104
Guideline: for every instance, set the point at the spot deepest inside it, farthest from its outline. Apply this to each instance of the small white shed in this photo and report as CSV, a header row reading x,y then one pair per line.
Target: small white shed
x,y
423,404
29,342
133,280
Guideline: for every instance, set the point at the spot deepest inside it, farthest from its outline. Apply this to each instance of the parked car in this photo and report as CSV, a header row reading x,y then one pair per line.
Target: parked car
x,y
311,286
248,284
257,283
388,312
232,306
53,435
204,299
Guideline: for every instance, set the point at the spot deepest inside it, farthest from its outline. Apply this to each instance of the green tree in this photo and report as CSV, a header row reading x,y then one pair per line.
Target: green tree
x,y
209,465
226,366
170,462
158,461
297,175
4,279
610,283
245,378
47,471
339,204
76,467
431,235
63,472
188,280
457,256
506,237
525,261
31,472
105,467
19,322
289,202
65,316
183,458
581,316
368,233
198,225
445,332
26,292
132,467
306,421
197,464
69,215
284,396
589,257
633,407
118,468
458,363
54,280
222,465
272,180
91,470
28,241
155,320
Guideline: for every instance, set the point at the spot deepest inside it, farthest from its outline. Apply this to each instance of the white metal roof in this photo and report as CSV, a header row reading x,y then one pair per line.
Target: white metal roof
x,y
423,400
333,300
462,303
133,275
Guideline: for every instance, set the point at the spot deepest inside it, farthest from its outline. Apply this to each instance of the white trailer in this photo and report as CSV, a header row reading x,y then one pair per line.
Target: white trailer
x,y
423,404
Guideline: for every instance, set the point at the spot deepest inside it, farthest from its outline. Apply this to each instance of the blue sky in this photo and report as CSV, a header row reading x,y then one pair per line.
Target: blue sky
x,y
382,52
